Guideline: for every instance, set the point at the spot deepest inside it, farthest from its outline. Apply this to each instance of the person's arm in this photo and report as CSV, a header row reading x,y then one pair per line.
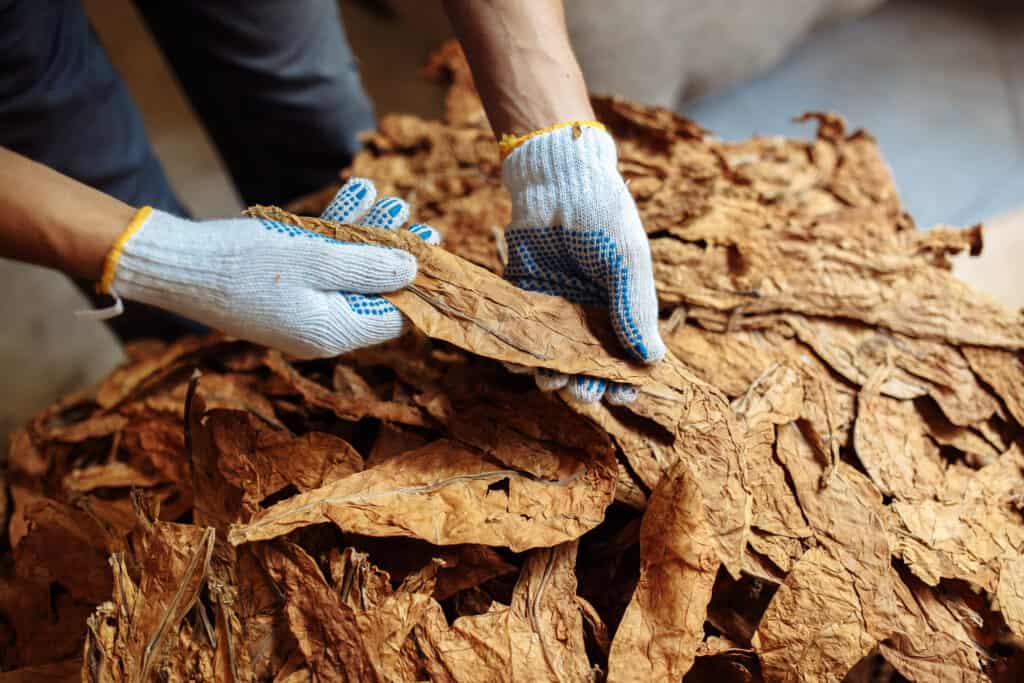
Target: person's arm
x,y
51,220
271,283
575,231
522,62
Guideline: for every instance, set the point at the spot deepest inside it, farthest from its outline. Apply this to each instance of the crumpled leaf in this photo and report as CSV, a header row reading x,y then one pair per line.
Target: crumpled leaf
x,y
138,634
65,545
890,442
814,627
970,531
261,461
1003,370
537,637
774,398
658,636
916,367
340,639
446,493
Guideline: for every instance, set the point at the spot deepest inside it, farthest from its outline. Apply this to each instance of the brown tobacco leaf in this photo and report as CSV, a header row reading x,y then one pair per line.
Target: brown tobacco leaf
x,y
970,531
918,366
341,640
775,398
446,493
537,637
141,632
1010,592
40,624
658,636
705,435
67,671
261,460
1004,371
91,428
890,442
814,628
974,443
730,361
789,272
114,474
350,405
65,545
929,642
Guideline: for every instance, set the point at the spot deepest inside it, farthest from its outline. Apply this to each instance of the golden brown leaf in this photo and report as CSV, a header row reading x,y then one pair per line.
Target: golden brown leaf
x,y
446,493
658,636
538,637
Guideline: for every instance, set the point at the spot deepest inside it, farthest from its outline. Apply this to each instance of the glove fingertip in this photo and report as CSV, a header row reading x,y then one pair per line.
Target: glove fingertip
x,y
587,389
549,380
426,233
389,213
351,202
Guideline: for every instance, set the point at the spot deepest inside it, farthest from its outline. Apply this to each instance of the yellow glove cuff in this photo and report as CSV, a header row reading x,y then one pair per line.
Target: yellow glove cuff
x,y
508,142
114,255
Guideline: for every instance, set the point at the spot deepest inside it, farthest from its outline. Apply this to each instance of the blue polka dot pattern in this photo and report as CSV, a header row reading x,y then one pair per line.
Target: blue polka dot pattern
x,y
293,231
585,267
388,213
587,388
350,201
425,233
369,305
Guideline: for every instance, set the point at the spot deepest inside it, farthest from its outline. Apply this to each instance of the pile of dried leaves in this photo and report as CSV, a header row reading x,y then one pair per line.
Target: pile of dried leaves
x,y
825,475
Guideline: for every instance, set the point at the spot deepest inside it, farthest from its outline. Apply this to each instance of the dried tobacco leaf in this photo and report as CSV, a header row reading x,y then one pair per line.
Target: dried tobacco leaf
x,y
969,532
790,273
658,636
66,671
537,637
261,461
890,442
1003,370
40,623
65,545
341,640
139,633
916,366
814,628
446,493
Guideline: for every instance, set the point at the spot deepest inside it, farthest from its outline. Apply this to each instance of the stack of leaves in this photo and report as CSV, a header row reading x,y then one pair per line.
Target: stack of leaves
x,y
825,475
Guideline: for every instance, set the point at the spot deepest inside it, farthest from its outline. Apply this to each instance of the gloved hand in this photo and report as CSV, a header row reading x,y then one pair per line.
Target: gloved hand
x,y
274,284
576,233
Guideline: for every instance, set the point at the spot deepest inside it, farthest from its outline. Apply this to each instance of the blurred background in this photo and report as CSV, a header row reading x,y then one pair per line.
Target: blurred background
x,y
940,83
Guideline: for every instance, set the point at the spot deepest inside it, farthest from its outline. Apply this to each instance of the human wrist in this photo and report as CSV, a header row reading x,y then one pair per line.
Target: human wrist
x,y
163,260
562,166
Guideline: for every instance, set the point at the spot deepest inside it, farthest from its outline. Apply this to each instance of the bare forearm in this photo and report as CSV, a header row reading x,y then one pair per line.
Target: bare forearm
x,y
522,62
51,220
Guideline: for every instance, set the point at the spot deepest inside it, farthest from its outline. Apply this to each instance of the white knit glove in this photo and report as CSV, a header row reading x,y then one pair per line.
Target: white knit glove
x,y
576,233
271,283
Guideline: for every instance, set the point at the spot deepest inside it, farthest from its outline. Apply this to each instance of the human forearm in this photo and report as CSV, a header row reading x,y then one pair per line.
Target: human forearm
x,y
522,62
51,220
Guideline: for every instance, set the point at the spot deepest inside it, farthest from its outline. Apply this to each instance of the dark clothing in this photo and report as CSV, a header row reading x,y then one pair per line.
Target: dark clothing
x,y
274,82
